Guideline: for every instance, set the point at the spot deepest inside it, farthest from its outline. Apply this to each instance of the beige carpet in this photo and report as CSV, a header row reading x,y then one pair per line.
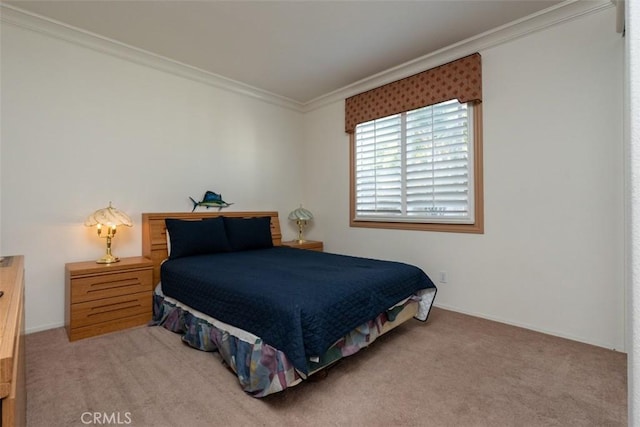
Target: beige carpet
x,y
455,370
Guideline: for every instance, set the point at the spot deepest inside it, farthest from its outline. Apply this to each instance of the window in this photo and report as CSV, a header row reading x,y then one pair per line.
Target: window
x,y
419,170
416,166
416,151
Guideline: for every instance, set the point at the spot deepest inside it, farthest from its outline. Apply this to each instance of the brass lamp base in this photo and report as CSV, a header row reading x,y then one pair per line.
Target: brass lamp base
x,y
301,224
107,259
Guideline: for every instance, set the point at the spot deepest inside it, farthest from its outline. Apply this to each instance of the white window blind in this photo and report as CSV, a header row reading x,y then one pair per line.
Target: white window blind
x,y
416,166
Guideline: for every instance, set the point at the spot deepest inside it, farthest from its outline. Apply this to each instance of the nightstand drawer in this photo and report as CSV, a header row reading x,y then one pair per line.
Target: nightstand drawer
x,y
112,285
106,327
110,309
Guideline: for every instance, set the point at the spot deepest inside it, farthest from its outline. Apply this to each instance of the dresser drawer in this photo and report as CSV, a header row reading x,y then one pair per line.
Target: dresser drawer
x,y
110,309
111,285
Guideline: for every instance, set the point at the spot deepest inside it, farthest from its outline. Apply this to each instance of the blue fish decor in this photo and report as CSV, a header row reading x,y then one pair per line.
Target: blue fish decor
x,y
210,200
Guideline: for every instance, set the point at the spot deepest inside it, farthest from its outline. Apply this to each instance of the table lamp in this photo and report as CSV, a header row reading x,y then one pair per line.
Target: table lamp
x,y
300,216
108,218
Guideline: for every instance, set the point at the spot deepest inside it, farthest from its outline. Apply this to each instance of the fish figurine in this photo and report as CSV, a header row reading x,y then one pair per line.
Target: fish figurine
x,y
210,200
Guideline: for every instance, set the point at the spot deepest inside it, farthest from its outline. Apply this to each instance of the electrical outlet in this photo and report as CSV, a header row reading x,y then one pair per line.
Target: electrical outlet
x,y
443,277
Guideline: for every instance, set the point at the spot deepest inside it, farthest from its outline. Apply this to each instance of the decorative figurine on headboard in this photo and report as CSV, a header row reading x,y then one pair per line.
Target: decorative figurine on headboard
x,y
210,200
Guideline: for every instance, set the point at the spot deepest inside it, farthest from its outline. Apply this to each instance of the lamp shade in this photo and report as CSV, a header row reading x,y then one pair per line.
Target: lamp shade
x,y
108,216
300,214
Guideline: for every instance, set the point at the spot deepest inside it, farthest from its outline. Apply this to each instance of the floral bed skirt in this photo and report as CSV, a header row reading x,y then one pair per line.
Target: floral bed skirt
x,y
260,368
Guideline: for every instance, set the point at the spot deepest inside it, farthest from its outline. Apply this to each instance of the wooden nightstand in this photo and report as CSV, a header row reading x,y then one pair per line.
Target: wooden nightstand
x,y
312,245
103,298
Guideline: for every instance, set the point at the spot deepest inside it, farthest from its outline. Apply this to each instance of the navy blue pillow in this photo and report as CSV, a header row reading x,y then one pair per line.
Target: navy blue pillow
x,y
249,233
207,236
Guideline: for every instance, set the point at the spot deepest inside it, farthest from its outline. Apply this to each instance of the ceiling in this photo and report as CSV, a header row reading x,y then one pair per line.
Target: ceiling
x,y
300,50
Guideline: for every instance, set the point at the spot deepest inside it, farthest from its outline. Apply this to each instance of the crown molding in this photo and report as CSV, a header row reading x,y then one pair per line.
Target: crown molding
x,y
50,27
546,18
568,10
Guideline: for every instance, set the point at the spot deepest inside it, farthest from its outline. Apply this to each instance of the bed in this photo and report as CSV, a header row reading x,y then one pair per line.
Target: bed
x,y
276,315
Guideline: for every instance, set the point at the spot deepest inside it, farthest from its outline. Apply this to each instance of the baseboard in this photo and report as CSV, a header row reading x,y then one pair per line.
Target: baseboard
x,y
41,328
531,327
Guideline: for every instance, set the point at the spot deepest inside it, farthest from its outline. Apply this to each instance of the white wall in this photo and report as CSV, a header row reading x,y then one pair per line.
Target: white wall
x,y
81,128
551,257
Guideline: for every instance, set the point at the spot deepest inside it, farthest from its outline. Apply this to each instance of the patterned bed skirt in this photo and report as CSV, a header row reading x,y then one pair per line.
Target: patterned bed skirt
x,y
260,368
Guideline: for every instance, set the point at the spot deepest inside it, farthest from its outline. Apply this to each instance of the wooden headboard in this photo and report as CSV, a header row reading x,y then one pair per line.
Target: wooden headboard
x,y
154,232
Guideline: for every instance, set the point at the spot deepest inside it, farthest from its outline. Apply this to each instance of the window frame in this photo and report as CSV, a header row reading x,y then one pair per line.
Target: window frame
x,y
476,227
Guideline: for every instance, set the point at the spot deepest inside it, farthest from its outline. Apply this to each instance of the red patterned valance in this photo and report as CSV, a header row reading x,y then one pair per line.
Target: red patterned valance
x,y
460,79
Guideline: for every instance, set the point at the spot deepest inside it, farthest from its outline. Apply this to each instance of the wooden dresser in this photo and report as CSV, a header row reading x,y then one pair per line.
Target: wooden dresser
x,y
13,390
104,298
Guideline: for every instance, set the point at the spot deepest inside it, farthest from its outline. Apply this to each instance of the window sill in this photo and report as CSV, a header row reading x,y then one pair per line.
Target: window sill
x,y
477,228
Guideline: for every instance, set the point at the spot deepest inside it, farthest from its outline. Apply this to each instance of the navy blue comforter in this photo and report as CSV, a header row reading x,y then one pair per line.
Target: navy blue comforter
x,y
297,301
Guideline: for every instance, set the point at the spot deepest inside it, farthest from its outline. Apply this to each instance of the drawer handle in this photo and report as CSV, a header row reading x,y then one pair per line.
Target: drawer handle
x,y
99,287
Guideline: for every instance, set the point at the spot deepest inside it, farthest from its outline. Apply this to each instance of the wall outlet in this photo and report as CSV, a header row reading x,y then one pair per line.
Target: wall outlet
x,y
443,277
